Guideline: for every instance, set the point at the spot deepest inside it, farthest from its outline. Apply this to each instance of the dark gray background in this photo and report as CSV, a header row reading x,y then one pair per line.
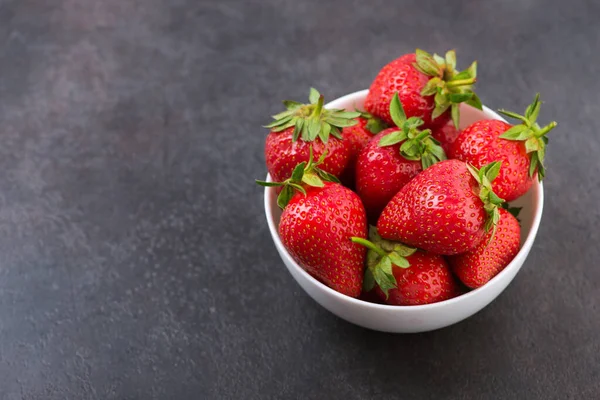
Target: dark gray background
x,y
135,261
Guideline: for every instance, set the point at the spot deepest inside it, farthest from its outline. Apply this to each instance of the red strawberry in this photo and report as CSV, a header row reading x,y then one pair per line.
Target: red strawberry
x,y
446,209
429,87
392,158
492,255
316,225
404,276
446,135
520,148
304,126
358,135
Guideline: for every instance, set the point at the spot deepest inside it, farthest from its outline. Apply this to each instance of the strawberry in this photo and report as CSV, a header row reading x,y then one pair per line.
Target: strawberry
x,y
429,87
319,218
446,209
359,135
404,276
304,126
446,135
392,158
476,267
520,148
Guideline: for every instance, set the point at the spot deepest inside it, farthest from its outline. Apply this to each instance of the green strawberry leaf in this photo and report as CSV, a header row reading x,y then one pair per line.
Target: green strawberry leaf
x,y
439,110
459,97
392,138
325,131
475,102
279,122
397,111
382,273
517,132
368,281
285,196
472,70
403,250
298,188
455,113
533,164
532,144
297,129
314,128
398,260
431,86
427,64
375,125
313,96
411,150
346,114
298,172
326,176
514,115
427,160
492,170
336,133
533,110
268,184
494,199
450,60
439,60
340,122
312,180
291,105
434,148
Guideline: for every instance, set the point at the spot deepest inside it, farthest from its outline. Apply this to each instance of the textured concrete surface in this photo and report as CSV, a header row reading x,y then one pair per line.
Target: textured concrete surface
x,y
135,261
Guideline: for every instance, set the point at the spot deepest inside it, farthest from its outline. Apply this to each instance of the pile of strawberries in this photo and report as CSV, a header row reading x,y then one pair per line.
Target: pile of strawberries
x,y
395,204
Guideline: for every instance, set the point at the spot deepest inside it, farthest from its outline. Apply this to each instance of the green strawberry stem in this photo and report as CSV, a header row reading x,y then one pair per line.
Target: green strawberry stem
x,y
461,82
449,86
317,111
312,121
304,174
547,128
417,144
532,135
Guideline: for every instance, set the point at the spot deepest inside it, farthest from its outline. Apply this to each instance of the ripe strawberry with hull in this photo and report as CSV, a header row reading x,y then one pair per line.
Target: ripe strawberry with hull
x,y
405,276
429,87
475,268
319,218
308,126
520,148
392,158
446,209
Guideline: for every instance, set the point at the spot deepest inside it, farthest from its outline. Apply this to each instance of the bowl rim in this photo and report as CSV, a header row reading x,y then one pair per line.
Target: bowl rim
x,y
516,262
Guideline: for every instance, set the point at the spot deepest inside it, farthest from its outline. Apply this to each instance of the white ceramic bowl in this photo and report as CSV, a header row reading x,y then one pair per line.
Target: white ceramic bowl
x,y
406,319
